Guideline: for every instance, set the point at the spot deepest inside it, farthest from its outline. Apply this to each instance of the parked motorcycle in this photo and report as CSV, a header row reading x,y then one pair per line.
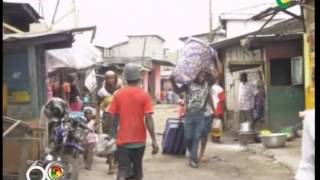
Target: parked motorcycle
x,y
66,134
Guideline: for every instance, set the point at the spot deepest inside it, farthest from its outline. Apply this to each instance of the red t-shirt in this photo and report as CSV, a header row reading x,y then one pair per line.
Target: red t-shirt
x,y
131,103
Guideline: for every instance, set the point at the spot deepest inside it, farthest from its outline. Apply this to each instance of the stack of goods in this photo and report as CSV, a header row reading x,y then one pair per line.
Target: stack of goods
x,y
195,57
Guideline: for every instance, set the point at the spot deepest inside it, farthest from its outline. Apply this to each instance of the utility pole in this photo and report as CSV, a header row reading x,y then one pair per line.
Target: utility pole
x,y
74,10
55,12
210,36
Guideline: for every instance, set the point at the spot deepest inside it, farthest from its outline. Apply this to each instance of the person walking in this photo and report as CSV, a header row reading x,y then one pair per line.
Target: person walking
x,y
218,96
306,169
247,93
135,109
91,138
182,108
208,118
105,95
259,104
72,94
170,96
197,95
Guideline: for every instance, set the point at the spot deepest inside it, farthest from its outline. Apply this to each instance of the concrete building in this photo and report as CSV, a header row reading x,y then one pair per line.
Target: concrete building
x,y
145,50
275,53
239,22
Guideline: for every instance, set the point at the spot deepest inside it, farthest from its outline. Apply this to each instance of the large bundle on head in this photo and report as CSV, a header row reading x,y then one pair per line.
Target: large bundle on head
x,y
196,56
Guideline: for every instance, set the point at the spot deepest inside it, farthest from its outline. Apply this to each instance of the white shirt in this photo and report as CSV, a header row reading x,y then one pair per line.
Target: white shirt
x,y
91,136
306,169
215,91
103,93
247,92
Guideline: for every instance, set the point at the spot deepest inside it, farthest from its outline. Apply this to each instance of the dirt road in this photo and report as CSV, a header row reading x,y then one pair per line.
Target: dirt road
x,y
227,161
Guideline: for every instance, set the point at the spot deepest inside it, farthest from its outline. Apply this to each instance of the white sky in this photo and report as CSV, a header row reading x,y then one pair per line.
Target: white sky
x,y
115,19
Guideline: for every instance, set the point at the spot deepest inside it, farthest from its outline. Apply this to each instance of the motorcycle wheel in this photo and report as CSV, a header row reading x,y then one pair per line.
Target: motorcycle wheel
x,y
72,165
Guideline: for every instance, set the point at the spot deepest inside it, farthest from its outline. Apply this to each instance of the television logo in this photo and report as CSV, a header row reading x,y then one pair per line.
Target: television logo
x,y
53,171
284,4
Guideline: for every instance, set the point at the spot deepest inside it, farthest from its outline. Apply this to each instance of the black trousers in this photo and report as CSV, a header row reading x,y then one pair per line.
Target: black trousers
x,y
130,163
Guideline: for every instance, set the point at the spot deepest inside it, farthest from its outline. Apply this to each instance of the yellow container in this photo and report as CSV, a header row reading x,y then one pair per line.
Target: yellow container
x,y
216,128
4,99
21,97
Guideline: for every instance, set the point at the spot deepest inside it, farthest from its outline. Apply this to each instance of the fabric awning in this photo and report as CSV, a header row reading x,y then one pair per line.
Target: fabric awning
x,y
78,57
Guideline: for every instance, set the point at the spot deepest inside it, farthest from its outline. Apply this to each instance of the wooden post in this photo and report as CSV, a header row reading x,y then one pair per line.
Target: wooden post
x,y
210,37
23,159
33,78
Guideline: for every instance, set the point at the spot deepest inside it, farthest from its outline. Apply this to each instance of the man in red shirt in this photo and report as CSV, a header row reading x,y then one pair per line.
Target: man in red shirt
x,y
135,109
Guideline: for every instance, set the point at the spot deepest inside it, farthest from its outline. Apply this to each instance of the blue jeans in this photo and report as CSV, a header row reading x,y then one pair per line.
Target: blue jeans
x,y
193,129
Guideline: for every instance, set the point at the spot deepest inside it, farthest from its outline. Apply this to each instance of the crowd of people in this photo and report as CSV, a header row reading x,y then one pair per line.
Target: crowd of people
x,y
127,115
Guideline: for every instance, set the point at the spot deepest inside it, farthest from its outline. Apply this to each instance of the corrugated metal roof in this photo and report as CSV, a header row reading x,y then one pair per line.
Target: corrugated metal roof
x,y
218,30
124,60
149,35
249,9
25,36
287,27
118,44
245,12
31,35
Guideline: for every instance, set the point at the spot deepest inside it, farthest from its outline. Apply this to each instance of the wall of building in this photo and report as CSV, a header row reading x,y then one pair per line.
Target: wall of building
x,y
284,101
145,80
236,53
17,79
309,56
119,51
151,47
154,47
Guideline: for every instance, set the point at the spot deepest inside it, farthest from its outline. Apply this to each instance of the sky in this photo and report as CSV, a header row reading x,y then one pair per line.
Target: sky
x,y
115,19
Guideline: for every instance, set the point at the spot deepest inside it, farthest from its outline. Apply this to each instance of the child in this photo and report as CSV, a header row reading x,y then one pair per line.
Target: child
x,y
91,138
219,104
181,106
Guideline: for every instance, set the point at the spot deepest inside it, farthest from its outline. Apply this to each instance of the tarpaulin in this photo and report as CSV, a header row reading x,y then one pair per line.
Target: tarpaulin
x,y
80,56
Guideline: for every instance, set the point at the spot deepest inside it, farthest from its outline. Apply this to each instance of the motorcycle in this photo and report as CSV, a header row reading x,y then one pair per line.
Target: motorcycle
x,y
66,134
65,144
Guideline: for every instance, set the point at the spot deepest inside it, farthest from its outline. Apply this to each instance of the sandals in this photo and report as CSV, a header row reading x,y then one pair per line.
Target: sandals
x,y
204,159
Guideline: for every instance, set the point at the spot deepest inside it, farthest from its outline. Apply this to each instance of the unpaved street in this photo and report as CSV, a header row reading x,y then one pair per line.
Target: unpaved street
x,y
227,161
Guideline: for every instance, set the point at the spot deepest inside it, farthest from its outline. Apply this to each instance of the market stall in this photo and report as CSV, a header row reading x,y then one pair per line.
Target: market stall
x,y
78,61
